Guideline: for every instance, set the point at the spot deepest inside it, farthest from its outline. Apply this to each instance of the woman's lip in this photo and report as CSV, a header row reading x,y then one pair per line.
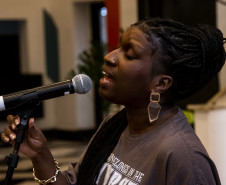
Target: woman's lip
x,y
105,81
107,78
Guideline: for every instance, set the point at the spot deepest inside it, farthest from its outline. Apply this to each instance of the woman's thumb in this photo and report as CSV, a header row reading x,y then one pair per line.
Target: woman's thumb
x,y
33,130
31,122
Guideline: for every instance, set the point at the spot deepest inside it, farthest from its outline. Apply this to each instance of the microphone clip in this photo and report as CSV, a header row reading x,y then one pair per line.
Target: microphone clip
x,y
27,101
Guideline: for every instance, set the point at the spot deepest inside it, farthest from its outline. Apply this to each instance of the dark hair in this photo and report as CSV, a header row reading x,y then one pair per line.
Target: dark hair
x,y
100,148
191,55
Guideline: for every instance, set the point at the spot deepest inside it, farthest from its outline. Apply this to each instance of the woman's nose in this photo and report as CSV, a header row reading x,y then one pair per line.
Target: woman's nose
x,y
111,59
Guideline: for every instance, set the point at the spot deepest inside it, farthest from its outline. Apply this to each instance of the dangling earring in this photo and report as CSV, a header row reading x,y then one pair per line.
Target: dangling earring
x,y
154,107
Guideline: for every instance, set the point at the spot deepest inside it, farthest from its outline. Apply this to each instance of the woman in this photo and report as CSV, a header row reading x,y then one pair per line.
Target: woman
x,y
158,62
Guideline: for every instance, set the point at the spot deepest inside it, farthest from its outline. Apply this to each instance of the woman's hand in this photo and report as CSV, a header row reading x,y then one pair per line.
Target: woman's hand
x,y
35,147
34,143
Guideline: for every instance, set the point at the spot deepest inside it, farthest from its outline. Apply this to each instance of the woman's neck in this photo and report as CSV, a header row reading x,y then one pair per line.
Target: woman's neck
x,y
138,120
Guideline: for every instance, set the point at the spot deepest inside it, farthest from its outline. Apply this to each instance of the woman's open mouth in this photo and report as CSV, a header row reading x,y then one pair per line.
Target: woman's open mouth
x,y
106,79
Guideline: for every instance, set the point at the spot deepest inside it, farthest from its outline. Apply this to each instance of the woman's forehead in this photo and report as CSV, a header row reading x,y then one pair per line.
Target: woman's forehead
x,y
134,36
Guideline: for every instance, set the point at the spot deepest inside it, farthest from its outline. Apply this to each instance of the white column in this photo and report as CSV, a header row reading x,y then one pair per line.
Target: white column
x,y
201,127
217,140
210,126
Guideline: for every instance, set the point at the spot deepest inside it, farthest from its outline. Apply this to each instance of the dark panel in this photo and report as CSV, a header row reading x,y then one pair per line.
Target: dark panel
x,y
9,27
186,11
150,8
191,11
10,78
143,9
9,47
95,12
51,45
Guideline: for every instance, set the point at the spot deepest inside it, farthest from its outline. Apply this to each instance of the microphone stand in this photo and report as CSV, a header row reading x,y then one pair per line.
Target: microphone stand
x,y
26,107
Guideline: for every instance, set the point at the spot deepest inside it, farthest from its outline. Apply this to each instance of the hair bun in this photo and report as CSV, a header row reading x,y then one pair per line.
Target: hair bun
x,y
193,56
213,53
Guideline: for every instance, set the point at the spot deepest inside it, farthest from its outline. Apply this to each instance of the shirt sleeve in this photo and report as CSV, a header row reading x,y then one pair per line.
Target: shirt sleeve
x,y
71,173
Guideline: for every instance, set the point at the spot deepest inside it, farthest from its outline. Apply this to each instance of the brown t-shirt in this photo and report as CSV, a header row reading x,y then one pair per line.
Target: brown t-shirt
x,y
171,154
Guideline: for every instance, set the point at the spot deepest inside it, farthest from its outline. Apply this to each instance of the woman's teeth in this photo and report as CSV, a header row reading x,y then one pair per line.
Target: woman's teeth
x,y
104,73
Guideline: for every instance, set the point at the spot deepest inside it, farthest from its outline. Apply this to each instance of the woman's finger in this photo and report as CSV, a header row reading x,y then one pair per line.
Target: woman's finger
x,y
31,122
9,133
10,119
16,120
13,121
4,138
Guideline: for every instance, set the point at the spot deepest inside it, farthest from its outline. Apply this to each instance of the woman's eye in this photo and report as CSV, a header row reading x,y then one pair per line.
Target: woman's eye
x,y
129,53
130,57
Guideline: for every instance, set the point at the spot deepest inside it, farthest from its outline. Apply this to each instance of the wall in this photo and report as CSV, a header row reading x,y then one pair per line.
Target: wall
x,y
128,13
210,127
66,112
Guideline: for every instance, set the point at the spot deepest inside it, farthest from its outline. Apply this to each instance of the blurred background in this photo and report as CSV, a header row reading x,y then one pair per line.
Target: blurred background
x,y
46,41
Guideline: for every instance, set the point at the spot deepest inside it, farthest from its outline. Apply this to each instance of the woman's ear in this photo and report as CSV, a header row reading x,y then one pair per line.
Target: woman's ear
x,y
162,83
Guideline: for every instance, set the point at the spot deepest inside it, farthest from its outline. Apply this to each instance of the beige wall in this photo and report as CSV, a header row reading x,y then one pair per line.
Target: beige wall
x,y
69,112
128,12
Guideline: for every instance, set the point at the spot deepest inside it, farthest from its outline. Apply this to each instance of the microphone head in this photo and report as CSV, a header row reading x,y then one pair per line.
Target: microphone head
x,y
82,83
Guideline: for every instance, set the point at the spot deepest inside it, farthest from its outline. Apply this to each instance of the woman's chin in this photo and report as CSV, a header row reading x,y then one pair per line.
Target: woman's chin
x,y
106,95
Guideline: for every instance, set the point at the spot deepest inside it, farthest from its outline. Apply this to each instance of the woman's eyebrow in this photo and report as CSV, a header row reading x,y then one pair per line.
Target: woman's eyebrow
x,y
137,46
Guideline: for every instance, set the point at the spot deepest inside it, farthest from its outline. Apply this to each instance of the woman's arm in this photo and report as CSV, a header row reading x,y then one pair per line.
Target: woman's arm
x,y
34,147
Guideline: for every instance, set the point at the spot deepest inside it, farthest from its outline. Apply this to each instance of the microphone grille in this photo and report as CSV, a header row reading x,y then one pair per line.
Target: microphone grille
x,y
82,83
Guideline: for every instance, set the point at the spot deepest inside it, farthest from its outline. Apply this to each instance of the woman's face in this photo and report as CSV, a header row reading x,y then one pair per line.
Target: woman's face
x,y
127,71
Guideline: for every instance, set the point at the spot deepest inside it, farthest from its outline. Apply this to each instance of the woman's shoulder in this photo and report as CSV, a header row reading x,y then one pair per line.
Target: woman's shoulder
x,y
180,139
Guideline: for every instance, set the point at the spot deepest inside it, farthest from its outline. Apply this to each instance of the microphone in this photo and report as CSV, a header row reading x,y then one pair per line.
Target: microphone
x,y
80,84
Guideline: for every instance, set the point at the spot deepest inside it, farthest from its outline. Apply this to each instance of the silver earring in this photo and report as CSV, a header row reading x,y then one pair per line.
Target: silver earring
x,y
154,107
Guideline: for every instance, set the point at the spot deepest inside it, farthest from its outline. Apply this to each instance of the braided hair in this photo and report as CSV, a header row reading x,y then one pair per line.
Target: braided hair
x,y
100,148
191,55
